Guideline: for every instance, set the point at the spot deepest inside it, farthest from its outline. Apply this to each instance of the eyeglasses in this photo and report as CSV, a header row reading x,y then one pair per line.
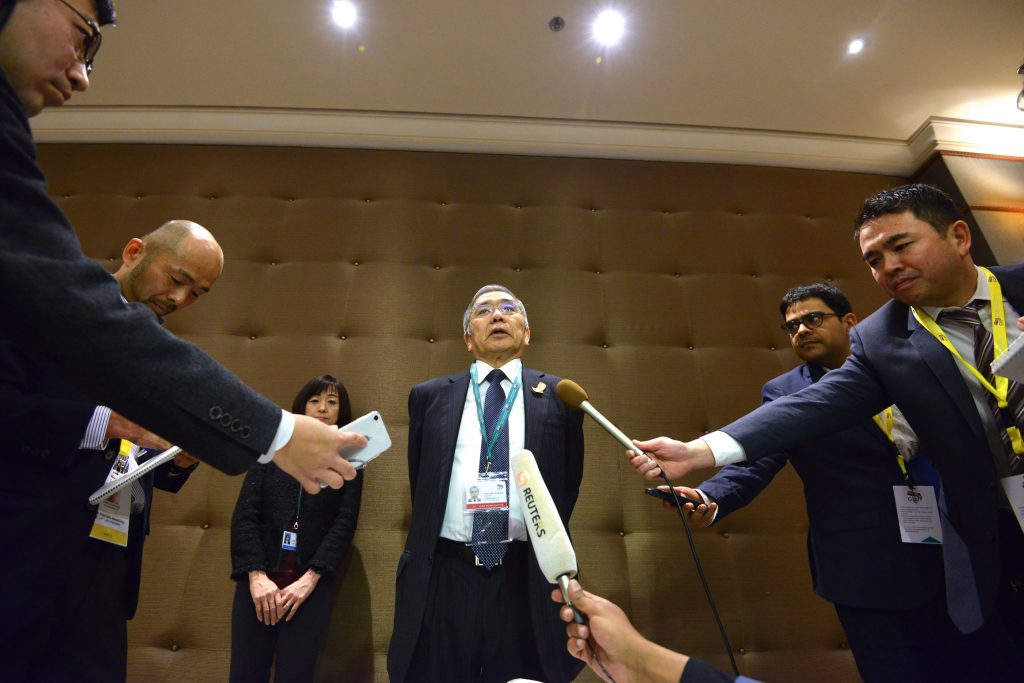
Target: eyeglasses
x,y
811,321
504,308
90,41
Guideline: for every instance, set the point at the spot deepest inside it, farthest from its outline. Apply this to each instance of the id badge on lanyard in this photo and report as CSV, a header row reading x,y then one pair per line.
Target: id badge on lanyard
x,y
114,513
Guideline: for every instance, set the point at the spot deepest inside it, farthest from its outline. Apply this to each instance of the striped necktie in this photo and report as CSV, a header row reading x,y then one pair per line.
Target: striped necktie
x,y
1013,414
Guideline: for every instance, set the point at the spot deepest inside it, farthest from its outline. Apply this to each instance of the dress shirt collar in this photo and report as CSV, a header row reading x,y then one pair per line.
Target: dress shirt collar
x,y
511,369
980,292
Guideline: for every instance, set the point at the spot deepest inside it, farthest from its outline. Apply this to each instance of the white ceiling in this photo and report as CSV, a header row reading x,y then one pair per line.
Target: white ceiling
x,y
715,80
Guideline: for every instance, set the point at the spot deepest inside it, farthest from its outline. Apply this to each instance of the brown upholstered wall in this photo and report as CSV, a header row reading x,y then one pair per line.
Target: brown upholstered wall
x,y
653,285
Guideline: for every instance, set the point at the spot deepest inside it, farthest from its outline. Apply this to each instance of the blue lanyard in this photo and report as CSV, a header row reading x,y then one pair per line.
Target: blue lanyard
x,y
502,416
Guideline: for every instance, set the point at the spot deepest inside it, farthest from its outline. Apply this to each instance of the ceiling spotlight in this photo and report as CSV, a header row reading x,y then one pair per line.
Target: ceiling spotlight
x,y
609,27
344,13
855,47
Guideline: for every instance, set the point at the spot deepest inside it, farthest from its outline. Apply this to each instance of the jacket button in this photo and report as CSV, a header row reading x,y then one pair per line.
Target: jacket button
x,y
225,419
236,425
216,412
245,432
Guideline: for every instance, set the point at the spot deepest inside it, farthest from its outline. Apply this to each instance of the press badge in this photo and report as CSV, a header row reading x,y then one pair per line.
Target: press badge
x,y
488,492
114,513
289,540
918,514
1014,489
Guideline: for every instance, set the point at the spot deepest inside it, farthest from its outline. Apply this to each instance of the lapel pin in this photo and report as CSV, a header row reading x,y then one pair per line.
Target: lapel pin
x,y
539,389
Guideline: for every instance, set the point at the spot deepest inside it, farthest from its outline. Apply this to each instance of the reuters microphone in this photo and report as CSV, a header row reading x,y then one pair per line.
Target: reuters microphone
x,y
550,541
572,395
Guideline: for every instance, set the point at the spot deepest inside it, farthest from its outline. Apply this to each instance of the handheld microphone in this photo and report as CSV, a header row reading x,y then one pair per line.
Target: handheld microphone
x,y
575,397
550,541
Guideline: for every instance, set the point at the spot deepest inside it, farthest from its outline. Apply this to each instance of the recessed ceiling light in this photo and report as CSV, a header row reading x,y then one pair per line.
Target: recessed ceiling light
x,y
609,27
344,13
855,47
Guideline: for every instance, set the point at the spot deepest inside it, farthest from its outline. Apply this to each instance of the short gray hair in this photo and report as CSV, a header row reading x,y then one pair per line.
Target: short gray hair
x,y
492,288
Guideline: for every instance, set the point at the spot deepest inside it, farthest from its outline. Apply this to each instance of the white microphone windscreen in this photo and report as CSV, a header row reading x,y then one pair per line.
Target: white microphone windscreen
x,y
550,540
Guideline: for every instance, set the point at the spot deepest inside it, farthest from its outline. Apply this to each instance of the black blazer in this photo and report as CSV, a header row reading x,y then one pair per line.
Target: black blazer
x,y
554,434
853,540
44,509
69,312
895,360
267,503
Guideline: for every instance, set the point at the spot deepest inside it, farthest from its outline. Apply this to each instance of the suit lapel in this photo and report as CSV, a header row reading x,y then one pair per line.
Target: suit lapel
x,y
535,406
943,366
453,401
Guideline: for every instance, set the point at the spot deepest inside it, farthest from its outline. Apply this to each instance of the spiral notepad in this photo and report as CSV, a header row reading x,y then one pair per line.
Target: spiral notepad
x,y
1011,363
116,485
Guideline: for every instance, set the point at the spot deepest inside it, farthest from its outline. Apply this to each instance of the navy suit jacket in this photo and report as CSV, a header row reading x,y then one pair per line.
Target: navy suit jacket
x,y
554,434
44,509
853,540
68,311
895,360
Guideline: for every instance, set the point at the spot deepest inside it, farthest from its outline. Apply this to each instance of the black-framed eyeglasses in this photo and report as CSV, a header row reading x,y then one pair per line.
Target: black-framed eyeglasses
x,y
90,41
503,307
811,321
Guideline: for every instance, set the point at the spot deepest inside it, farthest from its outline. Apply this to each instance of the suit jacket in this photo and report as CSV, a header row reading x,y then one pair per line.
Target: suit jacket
x,y
554,434
68,311
853,540
895,360
44,510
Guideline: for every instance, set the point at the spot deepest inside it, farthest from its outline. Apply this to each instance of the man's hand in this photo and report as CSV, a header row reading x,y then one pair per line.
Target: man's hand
x,y
311,455
699,516
675,457
263,592
184,460
294,594
611,646
120,427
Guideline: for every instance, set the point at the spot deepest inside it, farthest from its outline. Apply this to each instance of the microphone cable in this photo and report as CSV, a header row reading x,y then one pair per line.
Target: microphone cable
x,y
701,576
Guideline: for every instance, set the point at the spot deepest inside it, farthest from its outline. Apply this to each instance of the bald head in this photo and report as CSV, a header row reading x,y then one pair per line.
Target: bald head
x,y
170,267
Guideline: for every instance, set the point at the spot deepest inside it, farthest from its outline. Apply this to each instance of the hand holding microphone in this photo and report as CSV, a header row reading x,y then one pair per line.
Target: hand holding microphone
x,y
675,457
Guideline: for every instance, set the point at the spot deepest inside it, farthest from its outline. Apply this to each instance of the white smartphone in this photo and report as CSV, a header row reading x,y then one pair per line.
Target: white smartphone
x,y
372,427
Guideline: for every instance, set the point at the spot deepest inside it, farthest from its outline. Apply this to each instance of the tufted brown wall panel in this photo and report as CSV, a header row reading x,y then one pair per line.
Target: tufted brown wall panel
x,y
653,285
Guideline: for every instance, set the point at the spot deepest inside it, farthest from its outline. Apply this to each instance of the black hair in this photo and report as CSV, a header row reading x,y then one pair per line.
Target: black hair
x,y
317,386
832,297
927,202
105,12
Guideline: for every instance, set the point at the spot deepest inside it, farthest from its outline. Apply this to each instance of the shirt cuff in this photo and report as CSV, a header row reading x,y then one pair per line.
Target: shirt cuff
x,y
707,501
726,449
95,438
283,436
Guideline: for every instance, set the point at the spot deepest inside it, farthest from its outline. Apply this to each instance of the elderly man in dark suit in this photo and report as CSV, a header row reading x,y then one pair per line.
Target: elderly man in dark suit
x,y
922,352
471,603
66,310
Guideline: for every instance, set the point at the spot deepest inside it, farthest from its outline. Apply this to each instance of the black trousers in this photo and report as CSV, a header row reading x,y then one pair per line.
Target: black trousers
x,y
477,626
291,646
88,636
924,646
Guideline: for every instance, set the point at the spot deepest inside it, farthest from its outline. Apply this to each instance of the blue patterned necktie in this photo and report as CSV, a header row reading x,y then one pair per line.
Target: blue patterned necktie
x,y
490,527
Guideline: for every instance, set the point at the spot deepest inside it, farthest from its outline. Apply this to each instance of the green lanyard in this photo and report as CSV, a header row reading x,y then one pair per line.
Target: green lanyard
x,y
999,344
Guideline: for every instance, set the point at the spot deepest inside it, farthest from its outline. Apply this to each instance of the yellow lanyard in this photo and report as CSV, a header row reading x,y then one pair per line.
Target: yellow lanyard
x,y
885,420
999,344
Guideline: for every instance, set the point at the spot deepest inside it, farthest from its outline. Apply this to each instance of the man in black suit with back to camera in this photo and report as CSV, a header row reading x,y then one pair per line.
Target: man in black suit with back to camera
x,y
471,603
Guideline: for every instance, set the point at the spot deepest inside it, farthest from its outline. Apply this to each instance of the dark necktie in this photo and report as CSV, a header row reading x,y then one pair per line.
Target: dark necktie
x,y
490,527
1012,415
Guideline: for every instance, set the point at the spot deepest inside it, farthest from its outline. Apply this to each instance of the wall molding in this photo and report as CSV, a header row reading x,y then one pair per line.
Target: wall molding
x,y
498,135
